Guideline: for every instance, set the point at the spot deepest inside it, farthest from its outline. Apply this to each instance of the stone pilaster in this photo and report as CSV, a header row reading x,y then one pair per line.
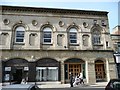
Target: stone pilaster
x,y
112,69
107,71
62,73
86,67
91,72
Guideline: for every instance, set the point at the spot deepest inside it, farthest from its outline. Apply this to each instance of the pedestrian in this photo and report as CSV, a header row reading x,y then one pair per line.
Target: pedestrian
x,y
77,80
71,79
81,78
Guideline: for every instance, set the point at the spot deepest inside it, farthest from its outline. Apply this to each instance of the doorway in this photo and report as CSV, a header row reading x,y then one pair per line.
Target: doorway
x,y
17,76
99,70
74,68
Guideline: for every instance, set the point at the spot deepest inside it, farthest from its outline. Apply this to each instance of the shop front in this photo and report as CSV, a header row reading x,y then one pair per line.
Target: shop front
x,y
47,69
14,70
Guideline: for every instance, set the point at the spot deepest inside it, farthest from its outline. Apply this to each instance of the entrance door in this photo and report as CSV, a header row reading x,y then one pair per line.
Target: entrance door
x,y
17,76
100,72
74,68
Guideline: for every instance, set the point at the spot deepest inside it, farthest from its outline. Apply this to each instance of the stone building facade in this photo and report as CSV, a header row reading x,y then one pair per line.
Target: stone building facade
x,y
116,46
46,44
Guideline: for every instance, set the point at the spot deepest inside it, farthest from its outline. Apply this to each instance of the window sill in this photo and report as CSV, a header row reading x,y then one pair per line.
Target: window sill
x,y
98,44
74,44
47,44
19,43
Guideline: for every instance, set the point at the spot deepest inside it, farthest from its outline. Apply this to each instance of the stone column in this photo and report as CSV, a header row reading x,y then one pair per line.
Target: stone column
x,y
86,70
107,71
62,72
91,72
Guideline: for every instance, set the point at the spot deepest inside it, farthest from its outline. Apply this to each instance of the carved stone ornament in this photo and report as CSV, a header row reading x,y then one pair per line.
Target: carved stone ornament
x,y
34,22
6,21
85,24
20,22
61,23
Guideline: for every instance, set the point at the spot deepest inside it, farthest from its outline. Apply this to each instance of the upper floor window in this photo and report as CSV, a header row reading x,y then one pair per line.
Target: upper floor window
x,y
73,36
19,34
47,35
96,37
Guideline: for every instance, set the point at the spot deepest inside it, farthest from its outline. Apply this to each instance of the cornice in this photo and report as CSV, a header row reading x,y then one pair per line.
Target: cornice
x,y
23,9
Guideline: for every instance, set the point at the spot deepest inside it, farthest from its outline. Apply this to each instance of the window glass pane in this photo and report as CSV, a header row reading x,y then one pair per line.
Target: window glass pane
x,y
20,31
47,35
47,73
73,35
19,40
96,37
73,41
73,30
47,29
47,40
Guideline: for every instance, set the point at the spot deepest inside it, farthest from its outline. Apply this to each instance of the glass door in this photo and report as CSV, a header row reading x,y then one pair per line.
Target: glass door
x,y
52,73
41,73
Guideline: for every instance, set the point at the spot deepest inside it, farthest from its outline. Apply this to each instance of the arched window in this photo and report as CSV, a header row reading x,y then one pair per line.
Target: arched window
x,y
19,34
96,37
72,36
47,35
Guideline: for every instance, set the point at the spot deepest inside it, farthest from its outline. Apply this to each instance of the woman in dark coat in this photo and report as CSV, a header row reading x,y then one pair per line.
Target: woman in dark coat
x,y
71,80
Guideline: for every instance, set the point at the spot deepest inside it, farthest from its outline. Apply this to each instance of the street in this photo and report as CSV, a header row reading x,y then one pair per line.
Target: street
x,y
74,88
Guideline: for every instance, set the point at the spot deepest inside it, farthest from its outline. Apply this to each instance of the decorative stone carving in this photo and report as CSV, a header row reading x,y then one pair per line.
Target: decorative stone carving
x,y
20,22
94,22
6,21
61,23
73,23
34,22
85,24
47,22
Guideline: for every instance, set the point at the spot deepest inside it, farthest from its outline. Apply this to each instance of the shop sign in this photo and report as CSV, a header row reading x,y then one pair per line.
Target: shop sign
x,y
7,68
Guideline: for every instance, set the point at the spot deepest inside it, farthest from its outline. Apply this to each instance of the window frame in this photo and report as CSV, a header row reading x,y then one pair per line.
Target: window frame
x,y
18,37
48,31
96,37
73,36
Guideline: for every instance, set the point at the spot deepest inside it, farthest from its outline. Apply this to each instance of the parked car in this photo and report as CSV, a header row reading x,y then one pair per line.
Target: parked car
x,y
21,87
113,84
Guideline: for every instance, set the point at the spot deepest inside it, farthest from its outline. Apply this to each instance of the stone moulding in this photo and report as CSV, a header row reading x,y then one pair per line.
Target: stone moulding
x,y
51,10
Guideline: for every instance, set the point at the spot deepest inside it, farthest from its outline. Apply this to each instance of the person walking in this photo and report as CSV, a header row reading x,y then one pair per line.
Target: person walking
x,y
81,78
71,79
77,80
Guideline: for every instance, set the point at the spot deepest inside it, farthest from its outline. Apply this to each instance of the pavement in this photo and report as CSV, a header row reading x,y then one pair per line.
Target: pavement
x,y
59,85
100,84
